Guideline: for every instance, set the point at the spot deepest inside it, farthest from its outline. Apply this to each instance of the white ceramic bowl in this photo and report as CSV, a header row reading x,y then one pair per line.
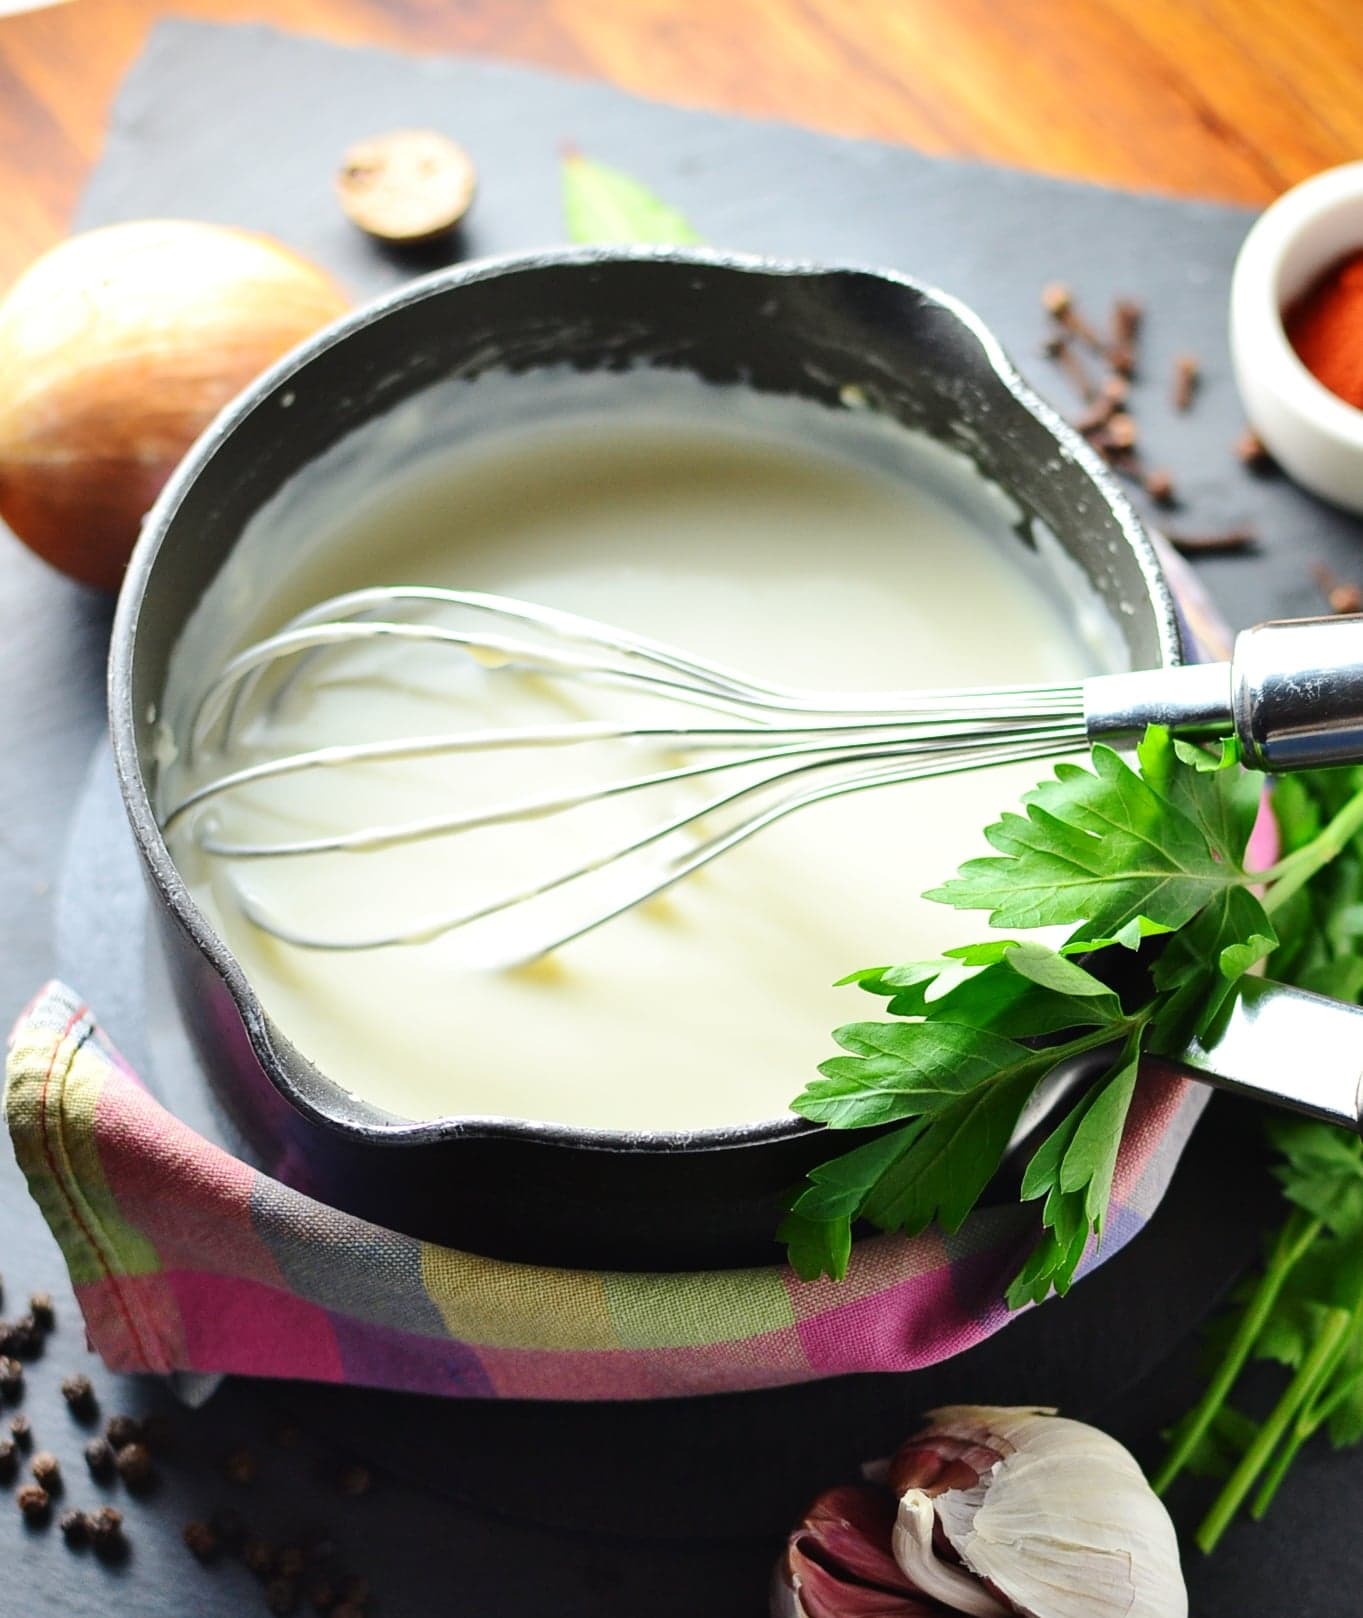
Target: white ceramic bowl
x,y
1312,433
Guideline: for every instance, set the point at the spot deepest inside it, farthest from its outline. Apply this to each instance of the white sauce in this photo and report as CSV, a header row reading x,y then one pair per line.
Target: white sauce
x,y
777,554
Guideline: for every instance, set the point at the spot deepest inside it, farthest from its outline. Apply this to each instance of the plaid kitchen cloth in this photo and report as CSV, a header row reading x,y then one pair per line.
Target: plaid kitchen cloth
x,y
186,1259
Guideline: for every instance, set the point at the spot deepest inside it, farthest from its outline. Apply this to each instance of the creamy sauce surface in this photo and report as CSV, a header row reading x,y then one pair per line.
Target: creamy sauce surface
x,y
712,1005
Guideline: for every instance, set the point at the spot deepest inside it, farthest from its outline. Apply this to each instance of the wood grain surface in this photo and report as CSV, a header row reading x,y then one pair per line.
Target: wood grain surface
x,y
1232,99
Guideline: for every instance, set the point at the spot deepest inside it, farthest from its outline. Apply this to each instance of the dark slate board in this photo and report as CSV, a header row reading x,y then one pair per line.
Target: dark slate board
x,y
245,125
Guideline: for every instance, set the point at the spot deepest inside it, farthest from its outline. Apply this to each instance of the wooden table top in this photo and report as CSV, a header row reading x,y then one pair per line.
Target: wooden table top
x,y
1230,99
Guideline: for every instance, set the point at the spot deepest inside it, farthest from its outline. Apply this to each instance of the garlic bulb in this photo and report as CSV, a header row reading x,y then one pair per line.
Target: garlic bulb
x,y
999,1511
117,348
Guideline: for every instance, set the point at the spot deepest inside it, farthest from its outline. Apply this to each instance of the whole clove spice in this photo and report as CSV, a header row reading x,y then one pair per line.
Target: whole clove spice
x,y
21,1338
281,1596
101,1459
1159,485
42,1311
1127,315
79,1393
1341,596
21,1431
9,1460
46,1469
1058,302
1187,377
34,1502
1227,541
11,1377
1121,431
1251,451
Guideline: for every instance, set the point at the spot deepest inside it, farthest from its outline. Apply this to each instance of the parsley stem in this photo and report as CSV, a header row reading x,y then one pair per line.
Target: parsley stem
x,y
1256,1457
1293,1240
1296,870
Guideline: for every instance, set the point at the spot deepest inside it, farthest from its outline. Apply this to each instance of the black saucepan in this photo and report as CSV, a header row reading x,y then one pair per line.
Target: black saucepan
x,y
540,1192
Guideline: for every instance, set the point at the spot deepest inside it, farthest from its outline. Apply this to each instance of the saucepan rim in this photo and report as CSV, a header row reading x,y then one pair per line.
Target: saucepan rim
x,y
370,1124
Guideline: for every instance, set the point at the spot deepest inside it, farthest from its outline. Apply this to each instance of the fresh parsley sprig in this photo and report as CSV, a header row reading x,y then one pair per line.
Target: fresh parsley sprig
x,y
1124,853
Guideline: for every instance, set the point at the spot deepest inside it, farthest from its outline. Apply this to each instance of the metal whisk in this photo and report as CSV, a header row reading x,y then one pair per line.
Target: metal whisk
x,y
1292,693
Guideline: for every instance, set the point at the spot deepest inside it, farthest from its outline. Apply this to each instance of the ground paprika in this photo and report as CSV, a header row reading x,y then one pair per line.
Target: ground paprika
x,y
1325,326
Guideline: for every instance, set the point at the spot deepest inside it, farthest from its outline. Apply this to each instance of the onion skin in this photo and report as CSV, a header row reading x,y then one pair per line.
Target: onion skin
x,y
117,348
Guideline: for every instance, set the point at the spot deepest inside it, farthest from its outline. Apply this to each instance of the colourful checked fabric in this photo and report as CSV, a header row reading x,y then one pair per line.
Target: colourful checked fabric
x,y
185,1259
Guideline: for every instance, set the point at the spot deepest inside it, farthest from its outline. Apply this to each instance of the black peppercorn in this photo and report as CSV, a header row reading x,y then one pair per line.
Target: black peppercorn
x,y
134,1465
320,1594
79,1393
201,1541
99,1457
240,1466
354,1479
106,1533
9,1460
75,1527
21,1431
34,1501
281,1596
258,1555
47,1471
123,1430
40,1308
229,1528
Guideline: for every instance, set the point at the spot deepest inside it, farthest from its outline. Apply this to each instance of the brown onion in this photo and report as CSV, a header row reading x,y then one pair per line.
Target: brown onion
x,y
117,348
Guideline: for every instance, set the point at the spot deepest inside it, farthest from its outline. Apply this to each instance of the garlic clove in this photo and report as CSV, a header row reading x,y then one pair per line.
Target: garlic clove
x,y
932,1574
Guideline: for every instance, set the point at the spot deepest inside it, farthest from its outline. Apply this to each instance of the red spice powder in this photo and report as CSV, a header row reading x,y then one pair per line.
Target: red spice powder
x,y
1325,326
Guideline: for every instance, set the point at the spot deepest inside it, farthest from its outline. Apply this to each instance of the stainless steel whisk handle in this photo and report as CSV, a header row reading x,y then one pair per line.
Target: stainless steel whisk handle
x,y
1292,693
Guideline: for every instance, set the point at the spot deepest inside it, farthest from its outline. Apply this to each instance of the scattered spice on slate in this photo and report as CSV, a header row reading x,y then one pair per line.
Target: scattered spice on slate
x,y
1341,596
1187,376
1068,358
1098,414
227,1525
240,1466
43,1314
1251,451
1058,302
123,1430
320,1593
11,1377
106,1533
354,1479
21,1431
79,1393
281,1595
9,1460
47,1470
1121,352
34,1501
134,1465
1159,485
21,1338
201,1541
100,1458
258,1555
75,1527
1227,541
